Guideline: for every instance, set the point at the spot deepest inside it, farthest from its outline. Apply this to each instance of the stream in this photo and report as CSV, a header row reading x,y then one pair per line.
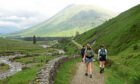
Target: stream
x,y
45,46
60,51
14,66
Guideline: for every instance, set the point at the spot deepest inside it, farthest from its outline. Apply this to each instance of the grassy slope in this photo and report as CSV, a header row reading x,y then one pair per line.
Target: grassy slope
x,y
71,19
66,73
69,48
120,35
9,45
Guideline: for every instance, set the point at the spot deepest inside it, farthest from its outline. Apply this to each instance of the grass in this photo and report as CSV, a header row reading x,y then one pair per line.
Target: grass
x,y
28,74
68,46
33,60
10,46
66,72
111,76
24,77
24,47
113,80
4,67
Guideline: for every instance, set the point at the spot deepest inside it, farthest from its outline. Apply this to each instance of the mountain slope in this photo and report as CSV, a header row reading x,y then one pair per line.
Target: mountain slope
x,y
71,19
121,36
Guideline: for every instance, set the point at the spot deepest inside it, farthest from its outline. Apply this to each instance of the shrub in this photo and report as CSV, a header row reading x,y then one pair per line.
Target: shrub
x,y
24,68
135,47
109,63
2,64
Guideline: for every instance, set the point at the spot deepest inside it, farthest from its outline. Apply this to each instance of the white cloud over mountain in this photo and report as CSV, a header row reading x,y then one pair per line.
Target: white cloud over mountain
x,y
20,19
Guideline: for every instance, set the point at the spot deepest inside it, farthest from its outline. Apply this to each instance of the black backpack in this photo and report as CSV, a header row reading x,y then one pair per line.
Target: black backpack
x,y
82,51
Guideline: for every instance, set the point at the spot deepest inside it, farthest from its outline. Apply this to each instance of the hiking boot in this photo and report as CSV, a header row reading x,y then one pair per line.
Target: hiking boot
x,y
90,76
101,71
86,74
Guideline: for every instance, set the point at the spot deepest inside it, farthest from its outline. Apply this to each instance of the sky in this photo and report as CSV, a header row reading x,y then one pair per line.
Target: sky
x,y
26,13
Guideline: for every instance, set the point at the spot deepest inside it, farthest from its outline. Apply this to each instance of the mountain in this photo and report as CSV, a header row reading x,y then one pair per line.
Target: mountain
x,y
69,20
121,37
7,29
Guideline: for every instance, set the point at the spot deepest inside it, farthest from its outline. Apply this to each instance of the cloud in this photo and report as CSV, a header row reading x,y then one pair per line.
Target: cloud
x,y
20,19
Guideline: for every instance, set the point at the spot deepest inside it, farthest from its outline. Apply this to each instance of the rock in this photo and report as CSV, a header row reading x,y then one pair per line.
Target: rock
x,y
47,74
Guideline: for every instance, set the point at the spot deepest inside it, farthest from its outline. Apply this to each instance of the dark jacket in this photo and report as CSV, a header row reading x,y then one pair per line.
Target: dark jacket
x,y
83,52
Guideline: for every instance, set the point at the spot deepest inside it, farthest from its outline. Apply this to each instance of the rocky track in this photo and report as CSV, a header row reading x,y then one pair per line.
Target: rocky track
x,y
80,78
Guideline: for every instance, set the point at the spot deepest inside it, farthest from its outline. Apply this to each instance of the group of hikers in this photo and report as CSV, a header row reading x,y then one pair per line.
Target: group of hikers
x,y
87,56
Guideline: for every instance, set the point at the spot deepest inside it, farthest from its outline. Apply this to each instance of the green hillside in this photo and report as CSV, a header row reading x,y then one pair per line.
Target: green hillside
x,y
10,46
121,37
71,19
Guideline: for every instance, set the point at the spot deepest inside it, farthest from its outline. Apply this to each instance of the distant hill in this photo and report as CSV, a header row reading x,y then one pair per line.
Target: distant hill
x,y
121,37
69,20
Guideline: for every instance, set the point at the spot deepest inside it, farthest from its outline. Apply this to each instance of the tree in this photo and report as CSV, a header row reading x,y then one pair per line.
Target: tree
x,y
34,39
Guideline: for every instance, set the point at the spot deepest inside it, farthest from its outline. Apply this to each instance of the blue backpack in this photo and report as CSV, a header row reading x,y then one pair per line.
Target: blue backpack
x,y
103,52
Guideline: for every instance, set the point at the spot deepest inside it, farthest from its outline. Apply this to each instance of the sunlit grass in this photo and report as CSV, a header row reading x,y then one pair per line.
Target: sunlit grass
x,y
67,71
24,77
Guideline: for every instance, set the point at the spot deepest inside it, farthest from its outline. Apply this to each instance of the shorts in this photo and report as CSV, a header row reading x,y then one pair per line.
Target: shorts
x,y
87,60
102,58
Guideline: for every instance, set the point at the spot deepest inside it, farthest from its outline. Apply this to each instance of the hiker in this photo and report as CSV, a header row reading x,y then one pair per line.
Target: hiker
x,y
88,59
102,56
83,52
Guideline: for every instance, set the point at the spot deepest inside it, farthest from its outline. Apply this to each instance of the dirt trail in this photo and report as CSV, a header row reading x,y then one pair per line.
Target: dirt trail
x,y
80,77
77,44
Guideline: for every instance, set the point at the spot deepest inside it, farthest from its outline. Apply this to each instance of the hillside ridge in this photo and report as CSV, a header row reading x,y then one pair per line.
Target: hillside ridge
x,y
69,20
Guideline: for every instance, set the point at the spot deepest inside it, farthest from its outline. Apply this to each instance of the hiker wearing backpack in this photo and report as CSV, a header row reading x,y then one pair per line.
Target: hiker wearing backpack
x,y
102,56
88,59
83,51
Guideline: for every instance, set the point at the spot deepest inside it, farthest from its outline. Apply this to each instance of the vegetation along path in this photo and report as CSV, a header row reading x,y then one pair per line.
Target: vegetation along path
x,y
80,78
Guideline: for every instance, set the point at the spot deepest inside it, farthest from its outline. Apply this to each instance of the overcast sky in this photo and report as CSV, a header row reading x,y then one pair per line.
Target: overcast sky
x,y
26,13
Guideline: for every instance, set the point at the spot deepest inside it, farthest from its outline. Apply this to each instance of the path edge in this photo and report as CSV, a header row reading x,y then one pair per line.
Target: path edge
x,y
47,74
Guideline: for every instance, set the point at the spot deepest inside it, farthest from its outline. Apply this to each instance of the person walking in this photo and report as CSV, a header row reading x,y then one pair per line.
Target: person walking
x,y
88,59
83,52
102,56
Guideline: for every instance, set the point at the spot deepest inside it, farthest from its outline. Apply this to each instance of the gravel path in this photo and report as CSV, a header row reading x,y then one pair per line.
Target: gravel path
x,y
80,78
